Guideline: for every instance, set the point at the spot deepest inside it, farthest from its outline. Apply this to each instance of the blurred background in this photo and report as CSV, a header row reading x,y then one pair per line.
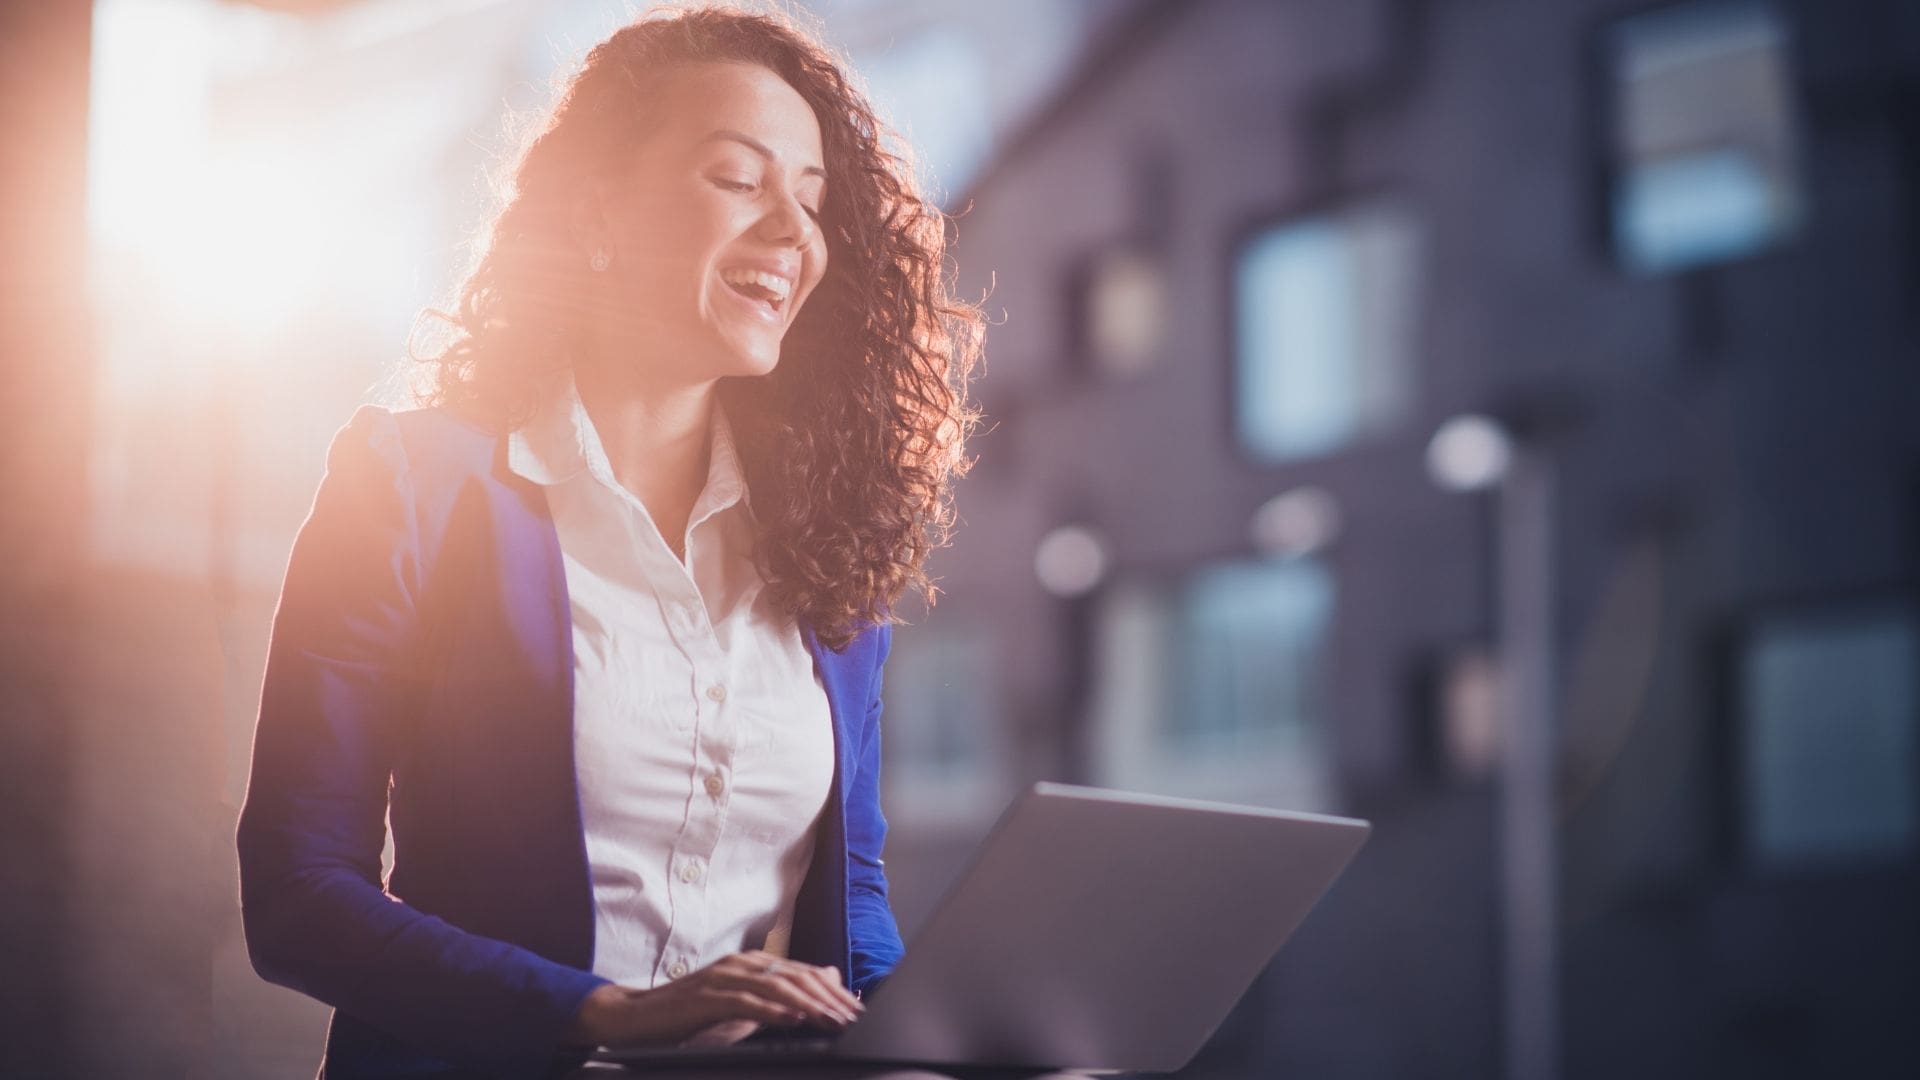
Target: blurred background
x,y
1499,419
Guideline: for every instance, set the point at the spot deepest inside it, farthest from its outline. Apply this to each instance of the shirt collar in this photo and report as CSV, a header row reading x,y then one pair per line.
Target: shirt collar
x,y
560,442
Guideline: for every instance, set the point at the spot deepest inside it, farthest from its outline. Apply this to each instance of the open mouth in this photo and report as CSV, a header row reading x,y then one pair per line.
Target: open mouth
x,y
759,286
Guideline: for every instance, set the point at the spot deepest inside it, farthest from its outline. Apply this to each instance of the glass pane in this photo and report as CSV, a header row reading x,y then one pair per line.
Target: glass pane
x,y
1829,750
1126,310
1250,650
1469,711
1705,140
939,697
1213,686
1325,311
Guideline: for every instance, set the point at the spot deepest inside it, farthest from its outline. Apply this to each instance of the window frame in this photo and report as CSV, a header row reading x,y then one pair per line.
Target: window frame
x,y
1606,169
1730,735
1250,229
1156,759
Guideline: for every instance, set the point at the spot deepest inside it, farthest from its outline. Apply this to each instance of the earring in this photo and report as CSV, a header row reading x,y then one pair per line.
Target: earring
x,y
599,260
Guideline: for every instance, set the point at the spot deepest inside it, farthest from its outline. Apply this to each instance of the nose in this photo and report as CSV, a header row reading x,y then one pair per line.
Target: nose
x,y
787,223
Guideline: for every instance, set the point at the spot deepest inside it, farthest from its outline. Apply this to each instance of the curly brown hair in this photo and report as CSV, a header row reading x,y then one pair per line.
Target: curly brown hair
x,y
850,445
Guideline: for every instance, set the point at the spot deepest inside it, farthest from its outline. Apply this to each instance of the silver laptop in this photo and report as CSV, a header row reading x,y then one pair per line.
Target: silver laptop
x,y
1095,930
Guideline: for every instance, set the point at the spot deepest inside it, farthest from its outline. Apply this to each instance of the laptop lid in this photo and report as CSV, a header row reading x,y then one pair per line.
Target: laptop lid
x,y
1103,930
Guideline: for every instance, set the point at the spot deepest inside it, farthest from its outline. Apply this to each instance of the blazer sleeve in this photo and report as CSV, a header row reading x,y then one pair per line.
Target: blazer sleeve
x,y
341,689
872,932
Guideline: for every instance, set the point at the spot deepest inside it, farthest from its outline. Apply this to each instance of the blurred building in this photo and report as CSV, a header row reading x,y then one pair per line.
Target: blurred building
x,y
1249,261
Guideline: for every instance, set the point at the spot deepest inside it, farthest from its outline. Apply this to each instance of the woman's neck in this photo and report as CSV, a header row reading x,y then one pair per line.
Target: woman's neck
x,y
657,441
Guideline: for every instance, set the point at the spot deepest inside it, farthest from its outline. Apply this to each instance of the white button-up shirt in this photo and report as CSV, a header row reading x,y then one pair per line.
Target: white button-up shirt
x,y
703,744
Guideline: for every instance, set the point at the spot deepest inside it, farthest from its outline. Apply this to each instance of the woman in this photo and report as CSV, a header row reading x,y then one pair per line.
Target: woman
x,y
598,634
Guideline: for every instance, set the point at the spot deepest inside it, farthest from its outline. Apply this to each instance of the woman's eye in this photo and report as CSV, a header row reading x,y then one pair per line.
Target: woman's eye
x,y
729,184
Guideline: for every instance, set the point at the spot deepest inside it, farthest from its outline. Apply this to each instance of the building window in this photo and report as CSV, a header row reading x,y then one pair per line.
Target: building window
x,y
1458,734
1122,320
1828,751
1704,144
1325,319
1214,685
942,742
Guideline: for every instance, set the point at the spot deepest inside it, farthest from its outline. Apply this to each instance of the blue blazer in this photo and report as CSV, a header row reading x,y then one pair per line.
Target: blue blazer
x,y
420,677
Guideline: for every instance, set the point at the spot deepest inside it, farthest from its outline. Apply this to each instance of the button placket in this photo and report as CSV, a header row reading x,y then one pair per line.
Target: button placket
x,y
706,818
660,632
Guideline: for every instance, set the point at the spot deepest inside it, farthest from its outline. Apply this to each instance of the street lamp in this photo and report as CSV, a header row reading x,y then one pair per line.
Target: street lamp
x,y
1070,560
1474,453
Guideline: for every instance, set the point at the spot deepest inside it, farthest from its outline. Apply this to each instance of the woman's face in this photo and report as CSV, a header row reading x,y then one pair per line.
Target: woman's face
x,y
712,232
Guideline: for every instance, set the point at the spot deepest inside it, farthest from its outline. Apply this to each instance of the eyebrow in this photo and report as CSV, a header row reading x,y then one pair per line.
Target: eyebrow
x,y
755,145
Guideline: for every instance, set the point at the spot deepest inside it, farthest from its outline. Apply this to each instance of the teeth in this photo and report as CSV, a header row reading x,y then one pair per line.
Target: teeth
x,y
773,283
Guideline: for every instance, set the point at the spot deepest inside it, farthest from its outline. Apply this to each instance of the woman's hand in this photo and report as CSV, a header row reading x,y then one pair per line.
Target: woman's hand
x,y
723,1002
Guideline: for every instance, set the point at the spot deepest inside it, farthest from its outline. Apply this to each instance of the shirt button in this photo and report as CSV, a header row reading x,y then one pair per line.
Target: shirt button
x,y
715,784
678,969
717,692
690,872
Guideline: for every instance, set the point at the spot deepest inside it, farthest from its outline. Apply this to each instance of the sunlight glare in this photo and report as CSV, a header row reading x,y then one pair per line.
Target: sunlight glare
x,y
221,232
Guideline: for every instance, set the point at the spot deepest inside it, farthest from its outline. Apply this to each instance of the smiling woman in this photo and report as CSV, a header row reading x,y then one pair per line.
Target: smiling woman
x,y
643,176
599,630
